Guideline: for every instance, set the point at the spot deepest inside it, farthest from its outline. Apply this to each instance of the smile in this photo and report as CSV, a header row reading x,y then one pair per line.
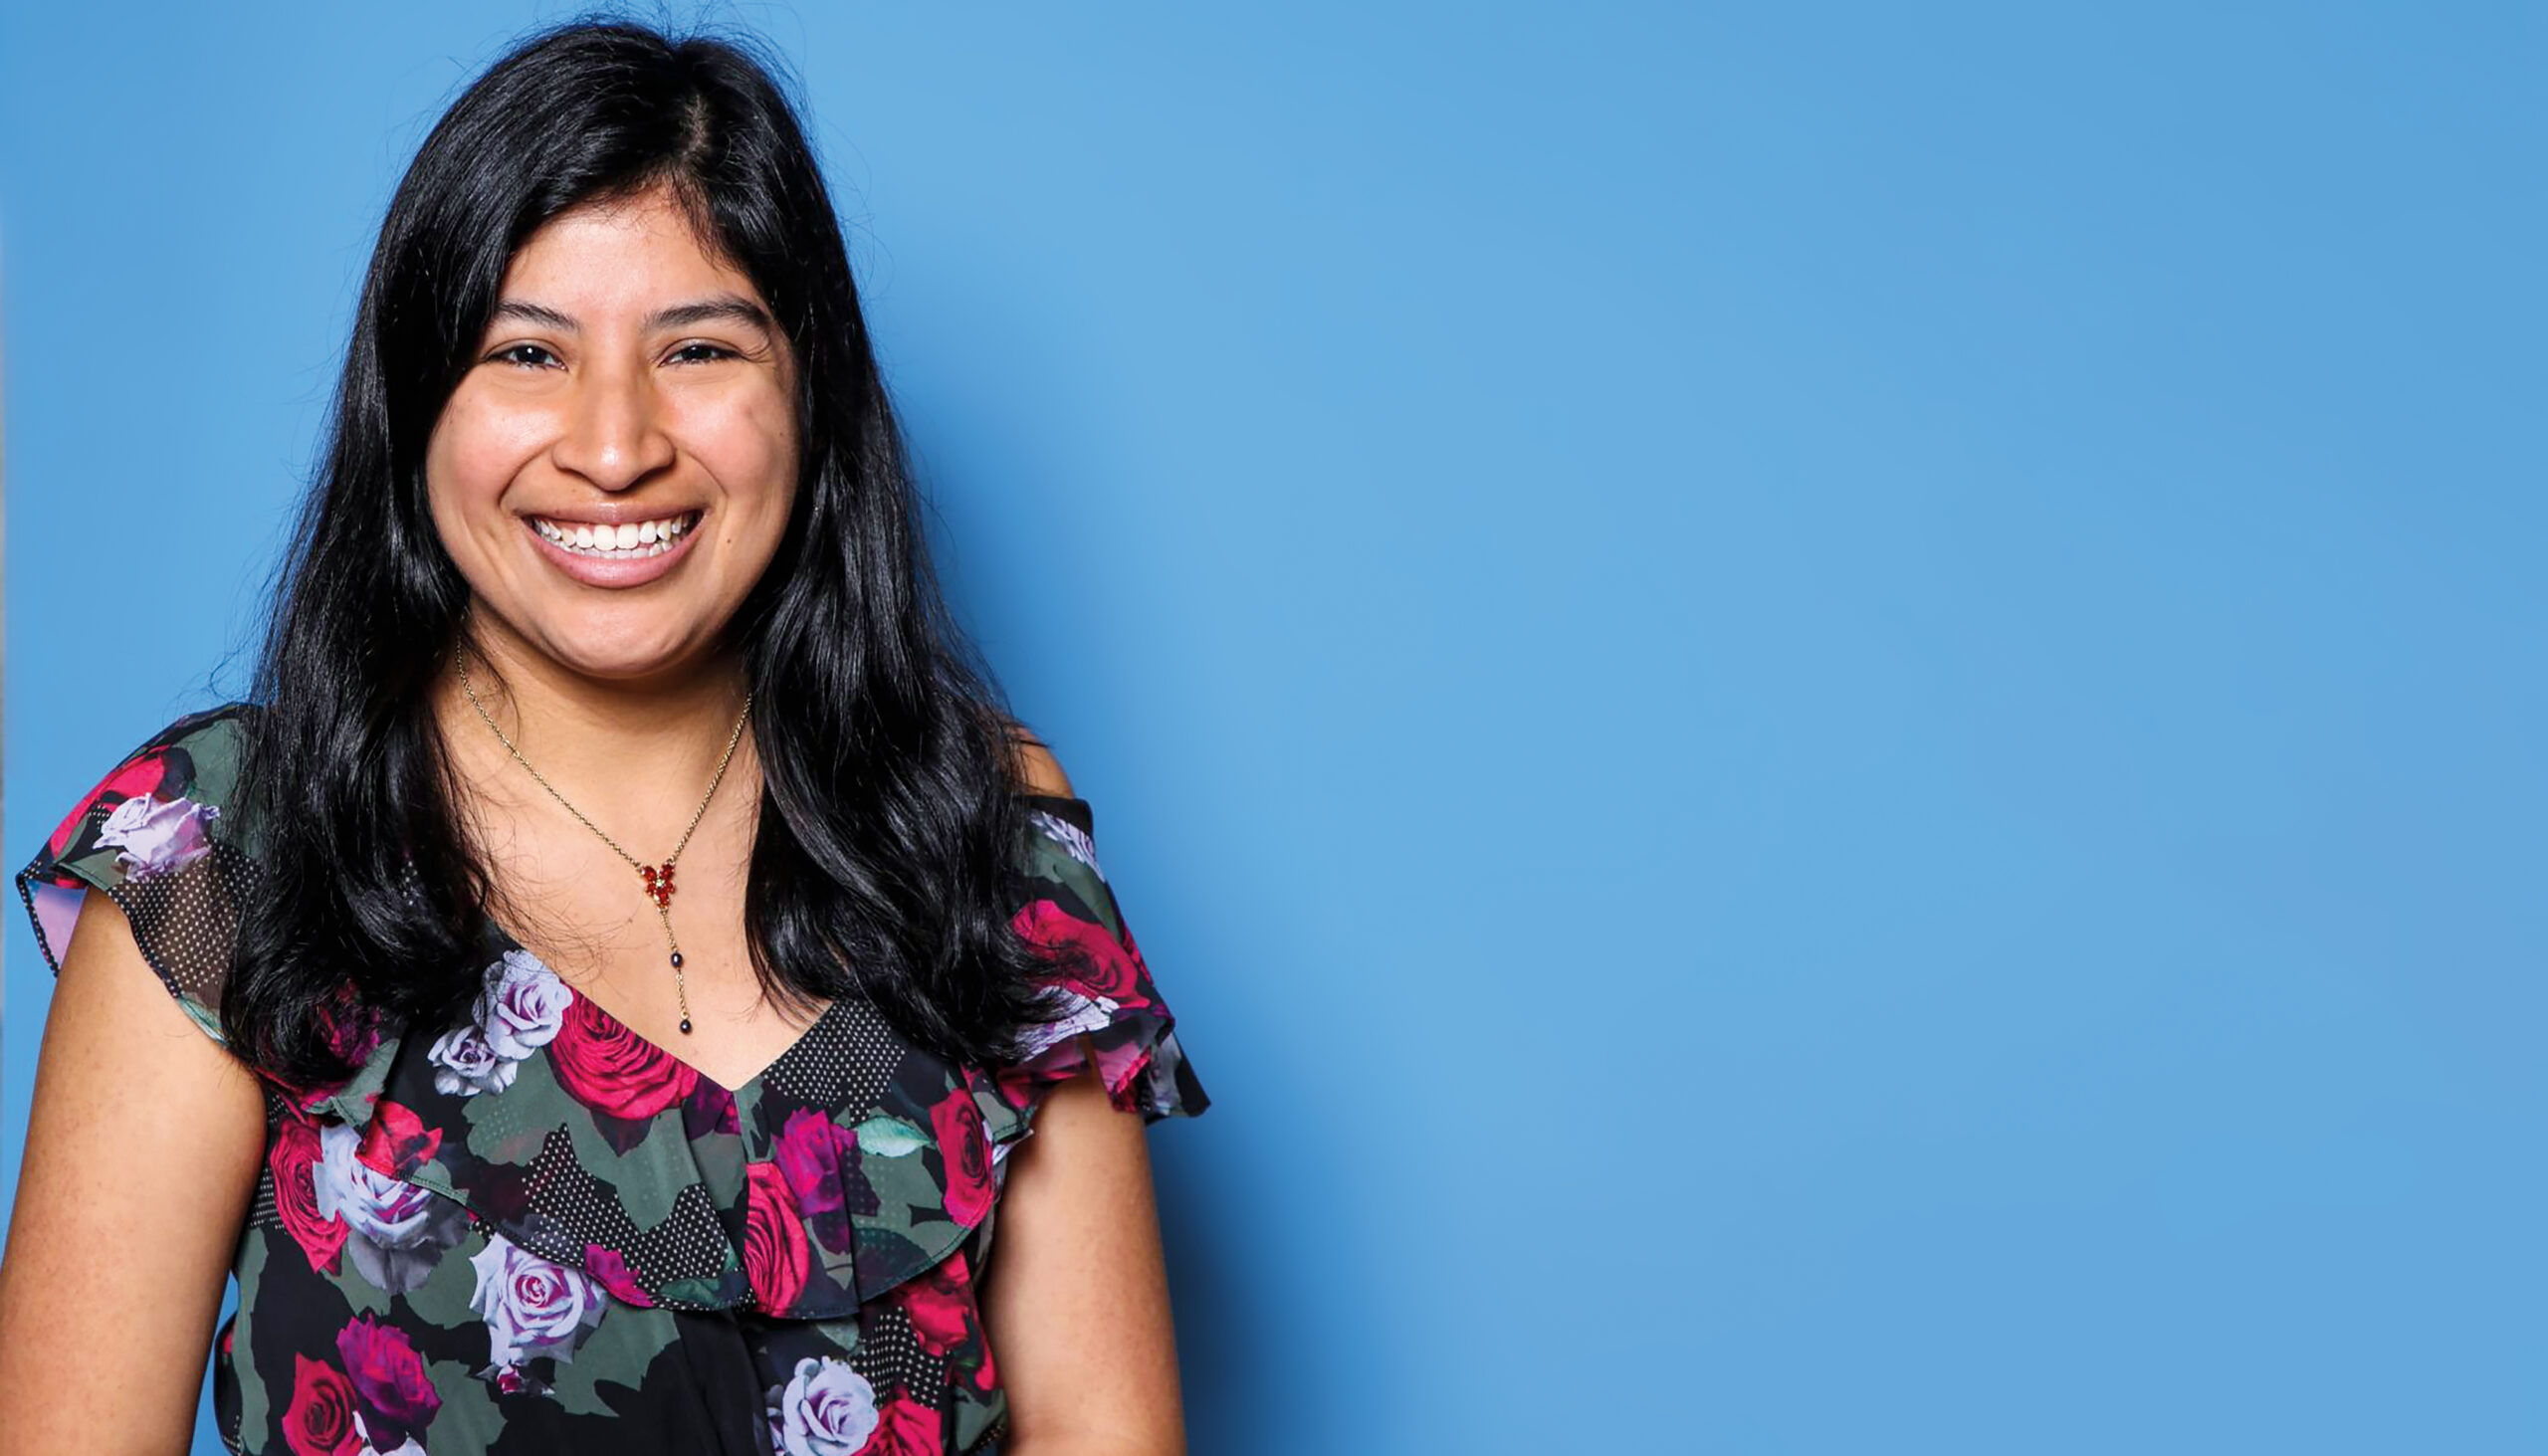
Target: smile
x,y
627,542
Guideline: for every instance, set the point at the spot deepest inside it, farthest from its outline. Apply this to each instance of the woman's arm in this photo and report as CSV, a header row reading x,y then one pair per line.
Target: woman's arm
x,y
1075,1303
143,1146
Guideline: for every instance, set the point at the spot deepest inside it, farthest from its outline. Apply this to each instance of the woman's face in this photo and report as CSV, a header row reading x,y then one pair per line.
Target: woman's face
x,y
616,468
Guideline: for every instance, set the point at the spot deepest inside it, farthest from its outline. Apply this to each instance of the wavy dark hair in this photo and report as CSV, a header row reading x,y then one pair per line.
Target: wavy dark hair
x,y
890,812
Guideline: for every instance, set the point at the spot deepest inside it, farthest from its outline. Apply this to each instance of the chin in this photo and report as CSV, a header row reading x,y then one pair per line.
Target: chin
x,y
626,643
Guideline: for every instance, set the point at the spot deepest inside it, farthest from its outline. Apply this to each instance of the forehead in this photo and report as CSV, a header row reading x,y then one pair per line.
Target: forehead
x,y
627,255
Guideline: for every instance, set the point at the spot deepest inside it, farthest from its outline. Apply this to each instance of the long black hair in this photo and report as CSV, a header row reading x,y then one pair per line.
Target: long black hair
x,y
889,811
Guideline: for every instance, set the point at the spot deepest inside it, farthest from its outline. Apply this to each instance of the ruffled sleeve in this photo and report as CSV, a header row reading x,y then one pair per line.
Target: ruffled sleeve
x,y
152,836
1113,1014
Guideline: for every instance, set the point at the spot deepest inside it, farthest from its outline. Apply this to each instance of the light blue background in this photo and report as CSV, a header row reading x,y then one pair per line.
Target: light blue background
x,y
1828,718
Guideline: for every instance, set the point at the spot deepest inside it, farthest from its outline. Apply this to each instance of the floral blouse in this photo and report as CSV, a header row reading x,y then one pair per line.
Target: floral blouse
x,y
536,1231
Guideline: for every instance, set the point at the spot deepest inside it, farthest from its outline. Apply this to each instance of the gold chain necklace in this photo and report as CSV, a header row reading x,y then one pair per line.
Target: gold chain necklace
x,y
659,880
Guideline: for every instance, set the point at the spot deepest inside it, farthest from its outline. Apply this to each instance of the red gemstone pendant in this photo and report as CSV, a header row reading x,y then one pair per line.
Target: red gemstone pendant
x,y
659,883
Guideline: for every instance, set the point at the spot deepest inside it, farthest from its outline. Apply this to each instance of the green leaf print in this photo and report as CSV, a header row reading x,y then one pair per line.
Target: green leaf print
x,y
887,1135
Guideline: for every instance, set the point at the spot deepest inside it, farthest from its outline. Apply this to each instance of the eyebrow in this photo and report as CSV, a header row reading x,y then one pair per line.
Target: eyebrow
x,y
730,307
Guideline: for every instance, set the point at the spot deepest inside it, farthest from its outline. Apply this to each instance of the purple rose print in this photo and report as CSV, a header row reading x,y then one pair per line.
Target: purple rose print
x,y
394,1232
466,1063
519,1012
531,1304
154,836
523,1005
818,1160
394,1399
827,1409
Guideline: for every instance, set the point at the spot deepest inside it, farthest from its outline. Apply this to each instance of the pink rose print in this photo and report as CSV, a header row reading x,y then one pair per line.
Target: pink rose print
x,y
1110,968
353,1030
775,1254
817,1157
397,1142
609,1069
906,1429
144,775
940,1304
321,1418
294,1161
985,1374
154,837
610,1270
391,1391
1133,954
1017,1083
353,1034
301,1099
966,1151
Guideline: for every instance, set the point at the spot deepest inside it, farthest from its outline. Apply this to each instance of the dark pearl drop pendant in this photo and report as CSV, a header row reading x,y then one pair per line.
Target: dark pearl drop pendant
x,y
685,1020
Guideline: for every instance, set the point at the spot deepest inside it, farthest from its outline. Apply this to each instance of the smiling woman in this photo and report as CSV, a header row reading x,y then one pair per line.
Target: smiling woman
x,y
596,411
624,960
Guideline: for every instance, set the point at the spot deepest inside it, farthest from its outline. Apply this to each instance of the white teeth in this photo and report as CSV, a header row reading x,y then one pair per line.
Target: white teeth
x,y
629,540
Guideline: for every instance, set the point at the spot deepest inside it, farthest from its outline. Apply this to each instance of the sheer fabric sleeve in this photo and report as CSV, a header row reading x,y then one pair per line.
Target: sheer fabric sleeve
x,y
1112,1013
151,837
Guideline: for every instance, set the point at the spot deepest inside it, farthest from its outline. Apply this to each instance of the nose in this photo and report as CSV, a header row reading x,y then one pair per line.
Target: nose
x,y
613,436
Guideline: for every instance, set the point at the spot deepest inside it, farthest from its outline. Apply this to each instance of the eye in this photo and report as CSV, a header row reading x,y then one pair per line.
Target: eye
x,y
507,356
689,352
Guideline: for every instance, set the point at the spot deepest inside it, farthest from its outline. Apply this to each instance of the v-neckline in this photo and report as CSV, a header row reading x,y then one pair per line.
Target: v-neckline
x,y
505,941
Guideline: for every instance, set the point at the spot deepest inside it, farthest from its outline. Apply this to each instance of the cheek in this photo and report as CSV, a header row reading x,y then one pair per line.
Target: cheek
x,y
768,437
753,454
474,454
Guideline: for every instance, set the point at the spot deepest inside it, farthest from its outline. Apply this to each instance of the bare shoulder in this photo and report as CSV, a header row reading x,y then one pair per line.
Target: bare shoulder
x,y
1035,768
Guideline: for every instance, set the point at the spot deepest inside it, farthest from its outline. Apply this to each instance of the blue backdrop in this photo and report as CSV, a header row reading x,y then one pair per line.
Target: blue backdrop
x,y
1828,717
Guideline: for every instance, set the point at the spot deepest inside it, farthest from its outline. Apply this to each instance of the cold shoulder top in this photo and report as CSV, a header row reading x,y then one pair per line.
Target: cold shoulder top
x,y
533,1230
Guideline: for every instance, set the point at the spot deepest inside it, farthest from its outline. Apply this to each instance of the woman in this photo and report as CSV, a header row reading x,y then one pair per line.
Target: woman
x,y
620,950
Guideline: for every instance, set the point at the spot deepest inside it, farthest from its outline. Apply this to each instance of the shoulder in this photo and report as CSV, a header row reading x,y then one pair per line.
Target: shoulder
x,y
154,808
1058,847
152,837
1034,766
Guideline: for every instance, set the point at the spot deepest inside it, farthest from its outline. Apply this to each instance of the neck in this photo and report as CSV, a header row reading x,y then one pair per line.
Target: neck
x,y
635,755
